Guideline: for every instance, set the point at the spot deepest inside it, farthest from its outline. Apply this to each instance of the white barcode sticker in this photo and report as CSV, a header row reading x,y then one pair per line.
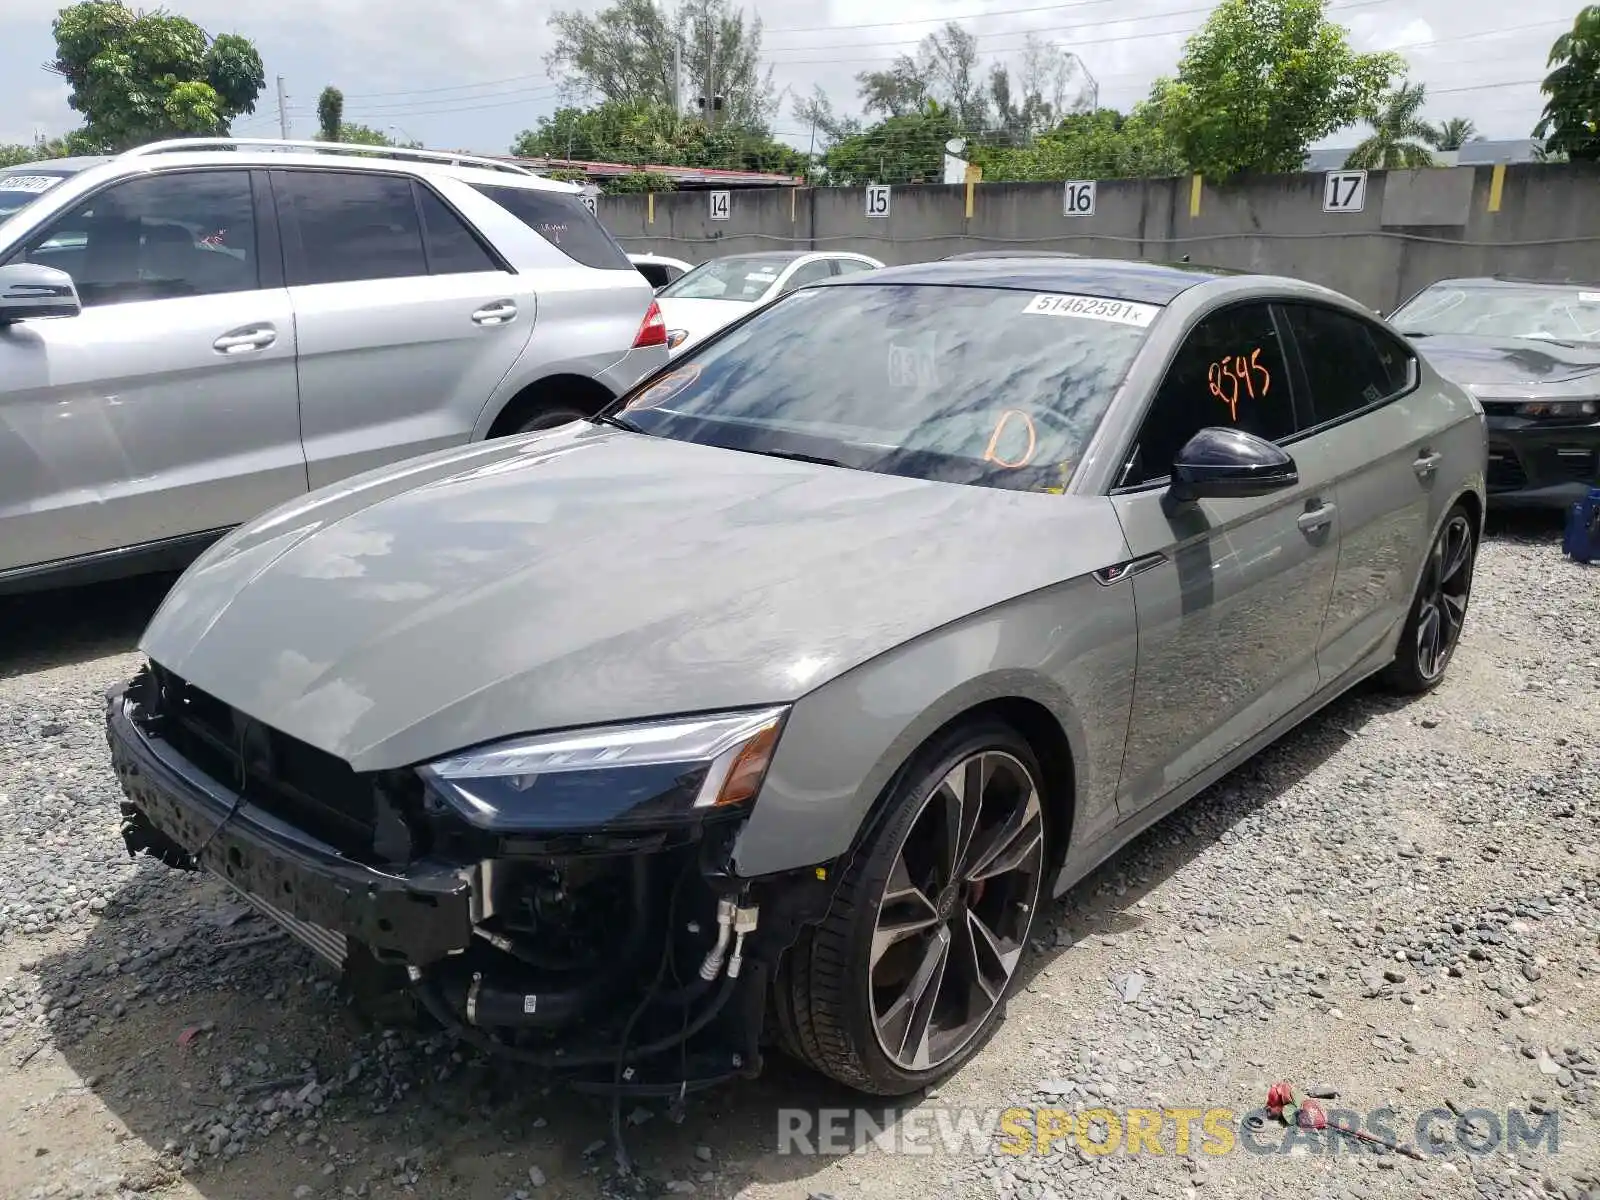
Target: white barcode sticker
x,y
1589,297
530,1004
28,183
1093,308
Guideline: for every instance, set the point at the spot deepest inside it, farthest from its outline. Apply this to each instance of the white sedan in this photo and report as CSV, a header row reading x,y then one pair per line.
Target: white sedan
x,y
717,292
658,268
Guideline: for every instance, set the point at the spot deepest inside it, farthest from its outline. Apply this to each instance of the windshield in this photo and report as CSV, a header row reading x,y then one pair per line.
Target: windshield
x,y
971,385
745,278
1544,311
21,186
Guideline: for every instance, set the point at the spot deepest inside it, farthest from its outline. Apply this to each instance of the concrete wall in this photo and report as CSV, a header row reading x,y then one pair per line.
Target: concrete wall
x,y
1414,228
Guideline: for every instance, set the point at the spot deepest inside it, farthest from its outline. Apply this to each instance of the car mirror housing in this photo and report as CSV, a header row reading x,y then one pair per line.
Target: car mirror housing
x,y
28,290
1221,463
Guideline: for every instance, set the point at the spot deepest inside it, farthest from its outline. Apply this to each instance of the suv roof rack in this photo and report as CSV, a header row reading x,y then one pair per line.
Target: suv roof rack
x,y
442,156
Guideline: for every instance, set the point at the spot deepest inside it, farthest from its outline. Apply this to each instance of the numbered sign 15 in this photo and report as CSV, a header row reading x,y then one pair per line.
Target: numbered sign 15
x,y
720,206
588,202
878,200
1078,198
1344,191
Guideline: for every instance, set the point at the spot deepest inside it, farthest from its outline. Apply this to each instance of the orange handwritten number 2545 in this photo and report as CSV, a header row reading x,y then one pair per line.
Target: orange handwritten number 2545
x,y
1224,378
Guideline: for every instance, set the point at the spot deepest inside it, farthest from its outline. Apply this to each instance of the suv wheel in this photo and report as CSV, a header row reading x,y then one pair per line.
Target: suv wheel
x,y
912,967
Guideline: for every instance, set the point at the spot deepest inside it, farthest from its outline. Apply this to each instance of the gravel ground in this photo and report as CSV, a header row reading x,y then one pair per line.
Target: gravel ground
x,y
1398,905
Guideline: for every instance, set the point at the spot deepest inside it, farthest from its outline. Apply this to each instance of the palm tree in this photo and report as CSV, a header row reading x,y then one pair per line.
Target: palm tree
x,y
1452,134
1400,136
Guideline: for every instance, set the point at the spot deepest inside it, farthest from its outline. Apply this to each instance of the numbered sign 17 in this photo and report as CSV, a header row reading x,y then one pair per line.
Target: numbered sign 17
x,y
1344,191
878,200
1078,198
720,206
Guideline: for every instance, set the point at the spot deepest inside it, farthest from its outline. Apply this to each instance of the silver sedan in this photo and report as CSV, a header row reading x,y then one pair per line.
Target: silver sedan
x,y
798,682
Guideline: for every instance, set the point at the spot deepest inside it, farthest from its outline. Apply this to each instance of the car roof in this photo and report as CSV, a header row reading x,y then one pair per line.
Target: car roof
x,y
971,254
1125,279
69,165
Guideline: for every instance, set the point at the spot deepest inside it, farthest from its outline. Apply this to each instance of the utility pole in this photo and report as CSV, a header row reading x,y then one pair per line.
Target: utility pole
x,y
283,110
711,86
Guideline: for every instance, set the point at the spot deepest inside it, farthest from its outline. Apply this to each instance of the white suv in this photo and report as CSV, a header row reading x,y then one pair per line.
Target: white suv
x,y
195,331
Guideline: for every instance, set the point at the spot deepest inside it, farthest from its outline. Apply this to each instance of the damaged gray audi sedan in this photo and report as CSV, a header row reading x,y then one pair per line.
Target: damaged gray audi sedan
x,y
774,703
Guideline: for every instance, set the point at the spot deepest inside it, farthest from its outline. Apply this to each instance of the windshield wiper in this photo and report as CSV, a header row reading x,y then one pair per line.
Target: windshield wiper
x,y
1413,333
796,456
616,422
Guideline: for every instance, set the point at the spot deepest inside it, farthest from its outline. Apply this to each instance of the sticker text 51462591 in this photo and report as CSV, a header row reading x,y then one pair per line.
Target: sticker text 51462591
x,y
1093,308
28,183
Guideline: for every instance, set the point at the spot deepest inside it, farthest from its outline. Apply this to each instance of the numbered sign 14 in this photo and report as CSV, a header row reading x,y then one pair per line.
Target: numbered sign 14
x,y
1344,191
878,200
721,206
1078,198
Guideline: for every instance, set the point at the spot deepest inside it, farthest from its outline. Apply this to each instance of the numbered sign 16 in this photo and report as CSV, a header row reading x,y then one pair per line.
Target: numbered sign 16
x,y
878,200
1078,198
588,202
1344,191
720,206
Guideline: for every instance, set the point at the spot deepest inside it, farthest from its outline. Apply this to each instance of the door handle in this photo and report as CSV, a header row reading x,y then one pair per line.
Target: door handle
x,y
1316,519
242,340
1427,463
497,313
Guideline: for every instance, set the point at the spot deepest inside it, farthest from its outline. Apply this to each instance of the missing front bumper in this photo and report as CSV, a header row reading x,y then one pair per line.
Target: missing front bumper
x,y
320,896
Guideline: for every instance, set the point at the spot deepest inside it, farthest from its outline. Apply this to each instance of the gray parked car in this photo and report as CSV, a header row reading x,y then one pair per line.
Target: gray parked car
x,y
782,696
193,332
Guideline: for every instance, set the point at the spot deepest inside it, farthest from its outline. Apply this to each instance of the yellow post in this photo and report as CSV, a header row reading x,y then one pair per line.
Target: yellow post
x,y
971,188
1194,196
1497,183
650,208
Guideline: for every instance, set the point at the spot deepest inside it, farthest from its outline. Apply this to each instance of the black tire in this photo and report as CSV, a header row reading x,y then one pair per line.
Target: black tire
x,y
825,997
1440,604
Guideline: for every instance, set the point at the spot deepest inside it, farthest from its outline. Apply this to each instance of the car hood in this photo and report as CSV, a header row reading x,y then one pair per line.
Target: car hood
x,y
1531,362
700,317
588,575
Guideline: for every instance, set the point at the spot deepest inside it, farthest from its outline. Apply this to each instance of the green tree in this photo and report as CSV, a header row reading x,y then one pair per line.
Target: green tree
x,y
624,54
1454,134
1262,81
1400,137
944,68
1570,125
1100,145
651,134
903,149
330,113
137,77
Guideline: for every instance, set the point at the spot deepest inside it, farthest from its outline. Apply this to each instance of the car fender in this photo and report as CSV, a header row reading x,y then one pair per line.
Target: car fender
x,y
1069,648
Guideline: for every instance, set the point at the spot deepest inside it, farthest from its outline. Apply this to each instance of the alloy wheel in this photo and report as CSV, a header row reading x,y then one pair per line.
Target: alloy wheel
x,y
956,909
1446,584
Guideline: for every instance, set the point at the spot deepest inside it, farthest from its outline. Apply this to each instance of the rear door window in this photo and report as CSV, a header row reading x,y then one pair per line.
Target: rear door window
x,y
1350,365
343,227
562,219
453,249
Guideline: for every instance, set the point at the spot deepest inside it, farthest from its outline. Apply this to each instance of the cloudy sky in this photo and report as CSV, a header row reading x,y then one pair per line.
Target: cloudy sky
x,y
469,76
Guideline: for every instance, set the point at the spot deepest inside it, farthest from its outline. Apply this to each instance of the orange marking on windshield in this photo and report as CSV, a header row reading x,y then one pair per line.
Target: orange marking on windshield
x,y
992,453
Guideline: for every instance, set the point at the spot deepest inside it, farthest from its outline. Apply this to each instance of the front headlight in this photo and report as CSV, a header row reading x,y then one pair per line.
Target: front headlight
x,y
1557,408
650,773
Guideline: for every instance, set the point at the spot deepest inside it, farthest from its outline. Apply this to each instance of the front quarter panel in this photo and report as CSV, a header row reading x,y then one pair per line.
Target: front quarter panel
x,y
1070,648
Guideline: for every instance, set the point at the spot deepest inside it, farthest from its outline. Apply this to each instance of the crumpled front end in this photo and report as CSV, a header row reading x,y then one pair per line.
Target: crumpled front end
x,y
608,939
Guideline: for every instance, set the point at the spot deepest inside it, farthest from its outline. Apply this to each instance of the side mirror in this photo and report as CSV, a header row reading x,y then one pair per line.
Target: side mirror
x,y
1226,464
27,291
